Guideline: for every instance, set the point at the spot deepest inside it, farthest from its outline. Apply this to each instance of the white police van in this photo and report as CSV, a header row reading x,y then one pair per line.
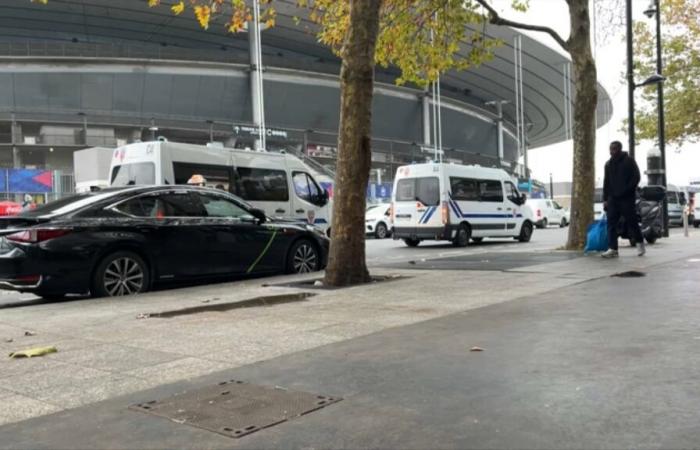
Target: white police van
x,y
280,184
438,201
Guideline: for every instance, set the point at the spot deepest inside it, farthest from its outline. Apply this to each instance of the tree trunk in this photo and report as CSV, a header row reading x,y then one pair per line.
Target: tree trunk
x,y
585,102
346,264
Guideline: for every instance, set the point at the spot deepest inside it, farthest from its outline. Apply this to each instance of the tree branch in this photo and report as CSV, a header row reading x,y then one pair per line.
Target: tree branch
x,y
496,19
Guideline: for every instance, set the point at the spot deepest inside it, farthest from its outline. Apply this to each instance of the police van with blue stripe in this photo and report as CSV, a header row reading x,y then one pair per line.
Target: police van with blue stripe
x,y
457,203
278,183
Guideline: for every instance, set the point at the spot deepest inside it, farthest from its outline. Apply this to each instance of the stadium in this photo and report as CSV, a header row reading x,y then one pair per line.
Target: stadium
x,y
98,73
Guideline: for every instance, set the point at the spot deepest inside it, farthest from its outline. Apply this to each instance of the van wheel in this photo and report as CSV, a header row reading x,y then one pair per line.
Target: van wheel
x,y
381,231
119,274
543,224
412,242
464,233
651,239
525,232
563,223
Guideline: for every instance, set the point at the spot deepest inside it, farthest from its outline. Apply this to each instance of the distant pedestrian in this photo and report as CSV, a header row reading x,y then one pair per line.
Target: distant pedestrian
x,y
28,202
619,198
197,180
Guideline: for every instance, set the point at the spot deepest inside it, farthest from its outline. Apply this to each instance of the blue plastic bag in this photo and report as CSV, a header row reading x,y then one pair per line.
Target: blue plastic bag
x,y
597,236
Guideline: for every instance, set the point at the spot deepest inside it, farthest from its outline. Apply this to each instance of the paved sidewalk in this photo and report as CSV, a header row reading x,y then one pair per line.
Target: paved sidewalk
x,y
610,363
106,351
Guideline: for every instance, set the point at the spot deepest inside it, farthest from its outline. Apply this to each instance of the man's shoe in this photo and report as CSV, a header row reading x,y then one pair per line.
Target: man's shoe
x,y
641,249
610,254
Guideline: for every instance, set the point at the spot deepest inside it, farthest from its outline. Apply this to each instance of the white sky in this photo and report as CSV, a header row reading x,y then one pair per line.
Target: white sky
x,y
611,63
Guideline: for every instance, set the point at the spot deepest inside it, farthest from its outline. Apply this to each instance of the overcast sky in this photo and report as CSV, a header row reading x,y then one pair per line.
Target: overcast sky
x,y
611,63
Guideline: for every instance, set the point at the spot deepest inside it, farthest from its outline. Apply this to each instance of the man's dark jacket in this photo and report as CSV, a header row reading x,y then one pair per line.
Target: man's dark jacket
x,y
621,178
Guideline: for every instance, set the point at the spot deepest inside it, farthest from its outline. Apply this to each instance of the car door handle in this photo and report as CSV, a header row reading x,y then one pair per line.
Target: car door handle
x,y
509,209
300,211
499,209
280,211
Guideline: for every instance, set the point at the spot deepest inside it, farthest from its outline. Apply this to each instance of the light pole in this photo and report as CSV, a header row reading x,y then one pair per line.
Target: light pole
x,y
654,9
551,187
630,79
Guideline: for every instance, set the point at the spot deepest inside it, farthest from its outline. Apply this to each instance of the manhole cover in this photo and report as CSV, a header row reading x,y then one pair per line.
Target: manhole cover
x,y
235,408
630,274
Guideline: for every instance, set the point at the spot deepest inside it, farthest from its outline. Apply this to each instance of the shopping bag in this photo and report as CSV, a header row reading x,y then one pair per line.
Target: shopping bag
x,y
597,236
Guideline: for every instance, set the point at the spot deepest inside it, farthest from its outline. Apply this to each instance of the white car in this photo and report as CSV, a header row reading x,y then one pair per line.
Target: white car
x,y
548,212
378,221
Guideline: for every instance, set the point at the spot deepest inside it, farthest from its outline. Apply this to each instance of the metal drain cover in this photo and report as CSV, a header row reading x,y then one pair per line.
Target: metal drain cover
x,y
235,408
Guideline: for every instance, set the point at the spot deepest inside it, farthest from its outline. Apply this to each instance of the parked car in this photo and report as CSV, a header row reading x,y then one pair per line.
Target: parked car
x,y
123,241
378,221
547,212
457,203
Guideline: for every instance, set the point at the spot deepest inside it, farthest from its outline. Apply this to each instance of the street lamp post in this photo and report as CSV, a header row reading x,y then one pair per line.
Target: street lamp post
x,y
630,79
551,187
654,9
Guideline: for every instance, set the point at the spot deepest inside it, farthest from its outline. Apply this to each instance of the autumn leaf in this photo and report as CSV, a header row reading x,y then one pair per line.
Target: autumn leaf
x,y
153,3
178,8
203,14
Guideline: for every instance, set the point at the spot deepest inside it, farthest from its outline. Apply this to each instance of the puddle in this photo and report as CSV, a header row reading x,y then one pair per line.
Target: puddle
x,y
629,274
270,300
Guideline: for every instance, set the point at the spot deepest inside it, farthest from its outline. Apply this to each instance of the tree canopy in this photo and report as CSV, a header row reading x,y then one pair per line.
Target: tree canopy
x,y
681,55
421,38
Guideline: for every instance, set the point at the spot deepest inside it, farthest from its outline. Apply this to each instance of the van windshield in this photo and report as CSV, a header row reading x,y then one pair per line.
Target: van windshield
x,y
134,173
425,190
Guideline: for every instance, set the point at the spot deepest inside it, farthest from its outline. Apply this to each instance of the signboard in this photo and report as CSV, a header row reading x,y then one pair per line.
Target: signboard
x,y
29,180
254,131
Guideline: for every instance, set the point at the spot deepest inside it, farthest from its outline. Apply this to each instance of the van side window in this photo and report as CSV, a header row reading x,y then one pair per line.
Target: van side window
x,y
216,176
464,189
512,193
305,187
263,185
490,191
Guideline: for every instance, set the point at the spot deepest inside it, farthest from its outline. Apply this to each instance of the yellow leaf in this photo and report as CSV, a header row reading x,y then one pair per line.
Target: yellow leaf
x,y
178,8
269,23
44,2
32,352
152,3
203,14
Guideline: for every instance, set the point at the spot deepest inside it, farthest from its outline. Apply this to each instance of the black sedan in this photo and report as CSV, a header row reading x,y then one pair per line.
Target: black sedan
x,y
122,241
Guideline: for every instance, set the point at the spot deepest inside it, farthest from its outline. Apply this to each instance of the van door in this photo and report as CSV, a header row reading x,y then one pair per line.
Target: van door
x,y
514,209
308,200
266,189
416,204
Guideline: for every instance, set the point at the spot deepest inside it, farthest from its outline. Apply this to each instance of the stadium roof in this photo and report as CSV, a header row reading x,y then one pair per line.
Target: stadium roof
x,y
25,27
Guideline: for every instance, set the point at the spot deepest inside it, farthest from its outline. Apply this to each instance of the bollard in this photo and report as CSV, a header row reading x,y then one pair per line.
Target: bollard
x,y
685,221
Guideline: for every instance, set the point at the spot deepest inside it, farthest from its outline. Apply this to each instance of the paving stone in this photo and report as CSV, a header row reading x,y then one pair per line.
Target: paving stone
x,y
179,369
51,377
117,358
92,390
16,408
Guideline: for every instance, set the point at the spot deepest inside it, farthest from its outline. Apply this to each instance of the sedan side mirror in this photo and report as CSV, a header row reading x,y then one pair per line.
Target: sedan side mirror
x,y
259,214
523,199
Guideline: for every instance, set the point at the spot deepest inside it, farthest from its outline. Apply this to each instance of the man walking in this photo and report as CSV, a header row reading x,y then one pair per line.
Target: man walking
x,y
619,195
